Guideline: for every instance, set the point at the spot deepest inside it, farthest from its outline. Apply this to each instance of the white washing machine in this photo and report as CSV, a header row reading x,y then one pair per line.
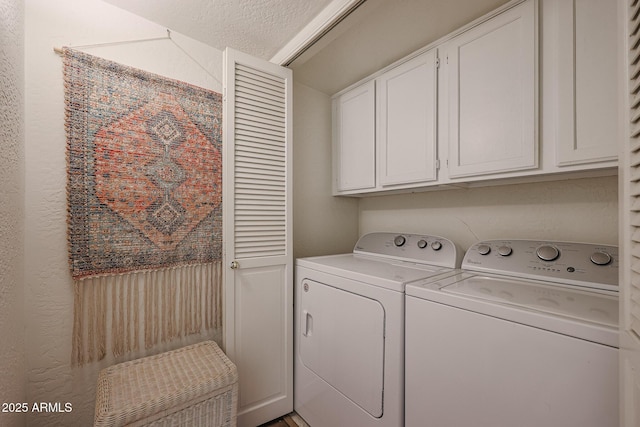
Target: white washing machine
x,y
525,335
349,327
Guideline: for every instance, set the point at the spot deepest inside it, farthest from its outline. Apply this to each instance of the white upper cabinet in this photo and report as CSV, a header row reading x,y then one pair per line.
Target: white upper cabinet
x,y
587,81
406,99
523,93
493,95
354,139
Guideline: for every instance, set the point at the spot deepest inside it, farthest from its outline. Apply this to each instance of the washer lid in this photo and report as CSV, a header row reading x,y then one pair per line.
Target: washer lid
x,y
377,271
598,308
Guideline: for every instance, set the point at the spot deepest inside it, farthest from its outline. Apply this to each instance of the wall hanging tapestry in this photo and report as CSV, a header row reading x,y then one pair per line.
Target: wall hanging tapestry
x,y
144,206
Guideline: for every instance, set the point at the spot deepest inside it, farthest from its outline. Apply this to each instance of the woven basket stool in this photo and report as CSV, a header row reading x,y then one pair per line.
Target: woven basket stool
x,y
195,385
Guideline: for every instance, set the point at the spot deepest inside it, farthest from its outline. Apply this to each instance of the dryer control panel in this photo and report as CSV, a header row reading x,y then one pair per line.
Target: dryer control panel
x,y
582,264
419,248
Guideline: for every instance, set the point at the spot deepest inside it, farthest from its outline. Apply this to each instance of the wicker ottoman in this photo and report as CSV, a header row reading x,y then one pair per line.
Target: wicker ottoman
x,y
192,386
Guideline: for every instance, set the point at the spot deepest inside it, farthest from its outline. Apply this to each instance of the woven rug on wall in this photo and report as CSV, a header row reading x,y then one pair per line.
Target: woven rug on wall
x,y
144,207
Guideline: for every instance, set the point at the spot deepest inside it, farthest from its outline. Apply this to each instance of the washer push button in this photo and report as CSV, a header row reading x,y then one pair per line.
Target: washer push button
x,y
547,253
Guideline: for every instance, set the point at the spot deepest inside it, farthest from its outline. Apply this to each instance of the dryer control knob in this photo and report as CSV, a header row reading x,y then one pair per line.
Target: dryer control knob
x,y
484,249
505,250
422,243
547,253
600,258
436,246
399,240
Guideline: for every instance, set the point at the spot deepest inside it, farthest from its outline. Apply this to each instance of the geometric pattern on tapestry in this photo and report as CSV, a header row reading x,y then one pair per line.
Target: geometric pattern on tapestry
x,y
145,169
144,191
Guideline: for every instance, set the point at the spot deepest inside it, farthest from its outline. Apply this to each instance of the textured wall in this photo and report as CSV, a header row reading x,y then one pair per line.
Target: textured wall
x,y
49,291
581,210
12,368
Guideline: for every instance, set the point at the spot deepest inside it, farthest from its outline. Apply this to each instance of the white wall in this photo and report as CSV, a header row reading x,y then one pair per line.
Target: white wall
x,y
322,224
581,210
379,33
12,367
49,290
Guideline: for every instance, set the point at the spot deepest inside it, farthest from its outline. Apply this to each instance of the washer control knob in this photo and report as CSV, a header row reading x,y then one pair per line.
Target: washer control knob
x,y
547,253
422,243
505,250
600,258
399,241
436,246
484,249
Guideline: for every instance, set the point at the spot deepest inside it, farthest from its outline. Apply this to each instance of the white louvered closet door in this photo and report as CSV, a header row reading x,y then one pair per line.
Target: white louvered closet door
x,y
257,235
630,218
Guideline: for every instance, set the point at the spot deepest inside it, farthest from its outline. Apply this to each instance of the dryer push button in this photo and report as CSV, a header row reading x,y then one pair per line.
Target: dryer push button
x,y
505,250
484,249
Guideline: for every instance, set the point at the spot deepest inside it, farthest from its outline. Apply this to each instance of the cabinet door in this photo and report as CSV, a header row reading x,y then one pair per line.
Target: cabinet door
x,y
493,95
587,81
354,138
406,121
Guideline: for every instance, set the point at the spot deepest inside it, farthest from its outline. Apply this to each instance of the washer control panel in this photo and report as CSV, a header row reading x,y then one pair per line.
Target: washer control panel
x,y
420,248
582,264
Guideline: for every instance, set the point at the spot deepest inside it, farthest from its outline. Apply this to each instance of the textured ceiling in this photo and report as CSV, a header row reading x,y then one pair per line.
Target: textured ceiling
x,y
257,27
375,35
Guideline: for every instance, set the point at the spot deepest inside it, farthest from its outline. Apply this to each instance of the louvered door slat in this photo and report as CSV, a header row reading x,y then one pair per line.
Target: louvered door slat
x,y
260,140
635,27
250,104
255,129
252,94
259,111
250,157
249,231
264,121
256,175
259,83
259,75
635,11
635,100
259,191
265,116
256,84
251,164
247,183
257,197
259,147
264,140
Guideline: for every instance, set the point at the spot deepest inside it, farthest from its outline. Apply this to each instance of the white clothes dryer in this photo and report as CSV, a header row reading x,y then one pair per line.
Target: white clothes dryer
x,y
525,335
349,327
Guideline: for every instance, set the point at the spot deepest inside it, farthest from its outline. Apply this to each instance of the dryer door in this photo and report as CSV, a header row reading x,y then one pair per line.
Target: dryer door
x,y
342,341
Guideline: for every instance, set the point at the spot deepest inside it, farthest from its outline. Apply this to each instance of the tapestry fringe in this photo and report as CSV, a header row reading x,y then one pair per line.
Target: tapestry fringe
x,y
137,311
